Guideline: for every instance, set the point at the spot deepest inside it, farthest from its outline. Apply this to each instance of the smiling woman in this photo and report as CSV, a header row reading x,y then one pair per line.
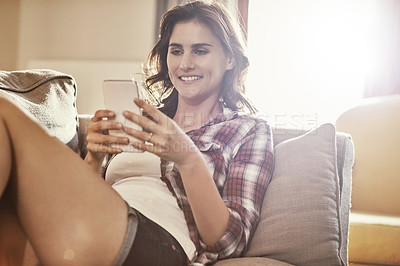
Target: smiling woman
x,y
309,58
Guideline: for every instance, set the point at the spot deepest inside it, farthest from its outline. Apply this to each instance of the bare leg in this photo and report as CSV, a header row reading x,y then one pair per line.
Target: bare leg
x,y
69,214
15,249
12,237
30,258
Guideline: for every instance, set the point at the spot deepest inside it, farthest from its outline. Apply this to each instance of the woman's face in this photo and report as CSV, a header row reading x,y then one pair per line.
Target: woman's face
x,y
196,62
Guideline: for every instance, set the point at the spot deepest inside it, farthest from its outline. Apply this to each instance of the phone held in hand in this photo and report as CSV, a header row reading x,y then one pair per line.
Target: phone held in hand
x,y
118,97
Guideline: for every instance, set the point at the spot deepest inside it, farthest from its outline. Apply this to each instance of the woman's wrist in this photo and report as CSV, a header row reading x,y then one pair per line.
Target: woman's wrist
x,y
190,160
94,161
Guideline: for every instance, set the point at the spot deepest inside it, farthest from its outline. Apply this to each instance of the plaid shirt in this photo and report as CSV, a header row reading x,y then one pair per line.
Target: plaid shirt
x,y
239,155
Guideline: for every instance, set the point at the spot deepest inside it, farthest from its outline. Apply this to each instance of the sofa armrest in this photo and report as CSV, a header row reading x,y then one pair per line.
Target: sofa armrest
x,y
83,122
345,162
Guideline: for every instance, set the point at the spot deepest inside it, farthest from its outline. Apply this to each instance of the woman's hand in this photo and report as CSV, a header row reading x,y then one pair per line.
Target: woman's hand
x,y
98,140
163,136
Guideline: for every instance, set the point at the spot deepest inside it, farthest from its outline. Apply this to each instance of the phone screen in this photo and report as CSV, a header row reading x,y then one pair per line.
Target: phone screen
x,y
118,97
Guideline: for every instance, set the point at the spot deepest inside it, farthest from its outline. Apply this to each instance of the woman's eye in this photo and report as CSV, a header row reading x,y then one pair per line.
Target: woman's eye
x,y
176,52
201,52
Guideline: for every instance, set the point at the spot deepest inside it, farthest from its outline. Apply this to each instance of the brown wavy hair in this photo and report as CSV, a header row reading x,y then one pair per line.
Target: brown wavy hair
x,y
226,28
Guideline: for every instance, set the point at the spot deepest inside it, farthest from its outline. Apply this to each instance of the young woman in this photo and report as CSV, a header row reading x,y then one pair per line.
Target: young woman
x,y
194,195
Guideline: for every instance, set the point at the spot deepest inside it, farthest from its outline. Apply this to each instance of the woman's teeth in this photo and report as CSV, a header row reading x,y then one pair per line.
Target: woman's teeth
x,y
190,78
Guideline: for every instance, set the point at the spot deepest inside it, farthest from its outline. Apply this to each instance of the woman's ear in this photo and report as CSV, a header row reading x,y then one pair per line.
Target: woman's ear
x,y
230,62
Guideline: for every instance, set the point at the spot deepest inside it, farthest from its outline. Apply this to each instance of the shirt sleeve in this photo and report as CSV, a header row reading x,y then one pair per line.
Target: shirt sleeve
x,y
249,172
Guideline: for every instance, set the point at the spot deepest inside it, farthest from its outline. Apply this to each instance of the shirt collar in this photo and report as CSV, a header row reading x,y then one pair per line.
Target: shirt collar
x,y
225,115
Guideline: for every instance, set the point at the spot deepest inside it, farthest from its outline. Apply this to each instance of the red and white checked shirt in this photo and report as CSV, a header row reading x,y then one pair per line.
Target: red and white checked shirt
x,y
238,150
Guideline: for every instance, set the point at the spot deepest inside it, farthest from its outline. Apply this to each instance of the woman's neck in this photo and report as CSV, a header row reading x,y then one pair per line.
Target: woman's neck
x,y
190,117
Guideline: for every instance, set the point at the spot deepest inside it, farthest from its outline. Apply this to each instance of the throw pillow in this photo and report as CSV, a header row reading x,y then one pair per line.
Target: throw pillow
x,y
300,221
46,96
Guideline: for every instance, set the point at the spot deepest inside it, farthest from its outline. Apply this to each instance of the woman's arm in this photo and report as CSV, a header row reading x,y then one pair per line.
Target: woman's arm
x,y
209,210
243,166
247,177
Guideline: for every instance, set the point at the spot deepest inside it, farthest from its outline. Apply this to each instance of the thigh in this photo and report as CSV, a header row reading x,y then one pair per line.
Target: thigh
x,y
70,215
30,258
15,248
154,246
12,237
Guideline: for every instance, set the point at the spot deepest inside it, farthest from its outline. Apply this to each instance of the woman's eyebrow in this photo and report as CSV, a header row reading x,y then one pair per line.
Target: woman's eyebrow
x,y
175,45
196,45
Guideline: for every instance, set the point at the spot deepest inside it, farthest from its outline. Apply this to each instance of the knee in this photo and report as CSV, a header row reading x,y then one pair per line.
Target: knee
x,y
6,106
8,109
3,104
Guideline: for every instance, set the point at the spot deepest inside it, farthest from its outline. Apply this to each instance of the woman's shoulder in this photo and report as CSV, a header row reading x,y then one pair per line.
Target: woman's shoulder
x,y
250,130
234,126
251,121
242,127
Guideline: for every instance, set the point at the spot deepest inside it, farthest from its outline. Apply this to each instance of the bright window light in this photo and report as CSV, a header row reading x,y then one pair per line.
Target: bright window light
x,y
308,58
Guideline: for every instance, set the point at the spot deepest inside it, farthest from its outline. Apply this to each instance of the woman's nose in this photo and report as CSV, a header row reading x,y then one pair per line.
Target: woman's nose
x,y
186,62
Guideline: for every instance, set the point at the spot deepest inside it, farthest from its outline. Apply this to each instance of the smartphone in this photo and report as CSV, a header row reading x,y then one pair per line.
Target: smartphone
x,y
118,97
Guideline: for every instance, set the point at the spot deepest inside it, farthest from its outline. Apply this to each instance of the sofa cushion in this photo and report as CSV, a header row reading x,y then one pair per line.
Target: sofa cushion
x,y
374,239
300,219
46,96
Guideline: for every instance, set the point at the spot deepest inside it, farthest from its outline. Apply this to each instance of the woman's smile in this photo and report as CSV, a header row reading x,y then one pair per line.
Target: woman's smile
x,y
190,78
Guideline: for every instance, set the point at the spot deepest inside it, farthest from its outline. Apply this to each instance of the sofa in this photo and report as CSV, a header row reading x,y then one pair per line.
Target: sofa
x,y
305,213
374,124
